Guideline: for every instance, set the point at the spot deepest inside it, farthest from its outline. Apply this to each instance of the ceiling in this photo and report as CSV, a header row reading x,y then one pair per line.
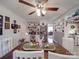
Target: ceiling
x,y
23,10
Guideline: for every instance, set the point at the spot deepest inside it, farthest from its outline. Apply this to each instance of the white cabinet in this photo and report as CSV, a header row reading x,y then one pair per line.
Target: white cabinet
x,y
77,40
5,46
68,43
0,48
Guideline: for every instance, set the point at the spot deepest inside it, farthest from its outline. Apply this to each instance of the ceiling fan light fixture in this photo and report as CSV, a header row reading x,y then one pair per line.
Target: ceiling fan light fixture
x,y
40,7
43,11
38,11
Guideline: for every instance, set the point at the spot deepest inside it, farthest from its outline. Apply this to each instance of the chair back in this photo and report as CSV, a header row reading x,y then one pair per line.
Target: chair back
x,y
52,55
28,54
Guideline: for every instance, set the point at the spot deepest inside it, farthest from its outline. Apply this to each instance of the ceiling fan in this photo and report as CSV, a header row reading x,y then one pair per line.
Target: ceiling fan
x,y
40,9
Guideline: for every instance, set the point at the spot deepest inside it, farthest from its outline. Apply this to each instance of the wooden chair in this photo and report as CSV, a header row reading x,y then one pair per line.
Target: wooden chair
x,y
28,54
52,55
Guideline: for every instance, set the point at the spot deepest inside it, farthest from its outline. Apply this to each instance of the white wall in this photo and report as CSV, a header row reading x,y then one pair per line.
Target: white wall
x,y
8,33
58,34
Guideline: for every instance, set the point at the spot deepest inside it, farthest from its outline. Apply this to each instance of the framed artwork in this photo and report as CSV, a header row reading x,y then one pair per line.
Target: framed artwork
x,y
1,24
1,17
7,19
1,21
7,22
12,26
1,31
7,25
16,26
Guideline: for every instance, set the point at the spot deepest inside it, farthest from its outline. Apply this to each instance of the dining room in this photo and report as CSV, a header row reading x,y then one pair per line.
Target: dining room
x,y
39,29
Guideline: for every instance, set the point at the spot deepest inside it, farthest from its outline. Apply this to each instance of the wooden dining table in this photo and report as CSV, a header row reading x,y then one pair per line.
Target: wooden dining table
x,y
58,49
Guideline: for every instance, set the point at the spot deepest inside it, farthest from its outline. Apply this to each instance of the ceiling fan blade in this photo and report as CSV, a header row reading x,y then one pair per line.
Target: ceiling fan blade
x,y
32,12
52,9
45,1
27,3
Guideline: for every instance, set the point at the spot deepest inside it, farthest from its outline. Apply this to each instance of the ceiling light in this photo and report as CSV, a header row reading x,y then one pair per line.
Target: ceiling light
x,y
38,11
43,11
40,4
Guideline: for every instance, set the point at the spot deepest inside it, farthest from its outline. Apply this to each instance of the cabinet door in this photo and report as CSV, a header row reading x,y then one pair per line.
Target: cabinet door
x,y
76,39
0,48
68,43
5,45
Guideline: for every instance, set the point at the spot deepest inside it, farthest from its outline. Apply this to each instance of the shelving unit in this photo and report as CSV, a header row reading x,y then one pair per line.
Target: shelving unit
x,y
33,30
37,31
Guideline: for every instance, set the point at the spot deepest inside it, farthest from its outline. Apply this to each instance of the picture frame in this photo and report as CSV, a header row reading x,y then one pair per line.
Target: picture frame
x,y
7,22
1,17
1,24
12,26
1,21
7,19
1,31
7,25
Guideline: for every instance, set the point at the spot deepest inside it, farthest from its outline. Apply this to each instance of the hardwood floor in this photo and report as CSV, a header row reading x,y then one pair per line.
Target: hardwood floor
x,y
59,49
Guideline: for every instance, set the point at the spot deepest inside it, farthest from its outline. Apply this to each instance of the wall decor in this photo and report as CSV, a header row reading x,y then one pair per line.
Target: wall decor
x,y
12,26
1,24
7,19
7,22
7,25
15,26
1,21
1,31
